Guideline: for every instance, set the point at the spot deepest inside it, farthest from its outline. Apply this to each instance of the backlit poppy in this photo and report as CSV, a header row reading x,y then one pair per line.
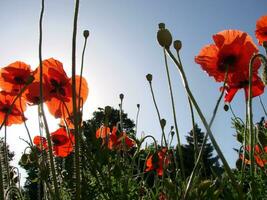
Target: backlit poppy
x,y
59,88
232,88
158,161
15,116
32,93
261,29
119,140
232,49
62,142
14,76
102,132
40,142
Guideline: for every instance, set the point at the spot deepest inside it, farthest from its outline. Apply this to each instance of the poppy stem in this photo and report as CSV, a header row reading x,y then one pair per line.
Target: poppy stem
x,y
74,105
180,153
2,197
6,159
56,193
263,107
136,119
207,126
157,109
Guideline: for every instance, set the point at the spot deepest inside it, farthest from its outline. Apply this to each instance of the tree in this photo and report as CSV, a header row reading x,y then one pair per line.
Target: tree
x,y
209,162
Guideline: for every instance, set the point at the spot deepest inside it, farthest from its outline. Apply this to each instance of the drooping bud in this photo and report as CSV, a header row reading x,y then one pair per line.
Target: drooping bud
x,y
138,105
163,123
149,77
86,34
164,36
177,44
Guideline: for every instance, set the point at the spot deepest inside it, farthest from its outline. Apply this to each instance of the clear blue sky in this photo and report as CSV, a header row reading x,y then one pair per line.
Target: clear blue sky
x,y
122,49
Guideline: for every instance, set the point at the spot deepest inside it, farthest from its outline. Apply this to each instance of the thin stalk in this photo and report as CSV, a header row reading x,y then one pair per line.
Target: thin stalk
x,y
136,119
203,119
2,197
244,146
263,107
157,109
180,153
41,105
6,158
74,105
193,128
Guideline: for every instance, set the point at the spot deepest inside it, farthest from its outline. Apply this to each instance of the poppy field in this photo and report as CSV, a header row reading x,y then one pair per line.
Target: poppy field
x,y
103,158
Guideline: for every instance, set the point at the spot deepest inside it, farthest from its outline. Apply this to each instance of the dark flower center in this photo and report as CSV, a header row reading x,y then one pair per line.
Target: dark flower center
x,y
19,80
59,140
227,61
57,87
5,109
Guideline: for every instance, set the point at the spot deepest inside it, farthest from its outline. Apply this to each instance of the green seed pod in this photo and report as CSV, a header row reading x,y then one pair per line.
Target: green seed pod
x,y
164,36
24,159
149,77
86,33
177,44
226,107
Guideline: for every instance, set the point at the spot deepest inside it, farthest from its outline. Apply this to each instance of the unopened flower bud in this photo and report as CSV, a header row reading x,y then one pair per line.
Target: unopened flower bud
x,y
226,107
149,77
162,123
121,96
177,44
164,36
138,105
86,34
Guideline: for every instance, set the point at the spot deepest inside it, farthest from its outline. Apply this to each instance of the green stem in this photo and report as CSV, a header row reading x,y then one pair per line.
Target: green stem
x,y
6,158
157,109
203,119
2,197
74,105
180,153
41,105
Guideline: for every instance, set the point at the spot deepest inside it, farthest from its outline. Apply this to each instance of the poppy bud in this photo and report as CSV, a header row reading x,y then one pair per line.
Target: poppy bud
x,y
149,77
121,96
24,159
164,36
138,105
177,44
162,123
226,107
172,127
86,34
172,133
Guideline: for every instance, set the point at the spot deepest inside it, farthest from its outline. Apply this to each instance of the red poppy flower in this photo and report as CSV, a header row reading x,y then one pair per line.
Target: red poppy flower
x,y
15,116
232,88
232,48
261,29
119,141
59,88
62,142
32,93
259,155
102,132
158,161
14,76
40,142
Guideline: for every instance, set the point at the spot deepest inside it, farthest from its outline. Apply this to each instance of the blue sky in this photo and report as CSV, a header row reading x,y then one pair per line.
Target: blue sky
x,y
122,49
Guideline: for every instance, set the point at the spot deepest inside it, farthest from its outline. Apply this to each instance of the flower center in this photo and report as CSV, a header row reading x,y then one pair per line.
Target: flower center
x,y
57,87
59,140
227,61
19,80
5,109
